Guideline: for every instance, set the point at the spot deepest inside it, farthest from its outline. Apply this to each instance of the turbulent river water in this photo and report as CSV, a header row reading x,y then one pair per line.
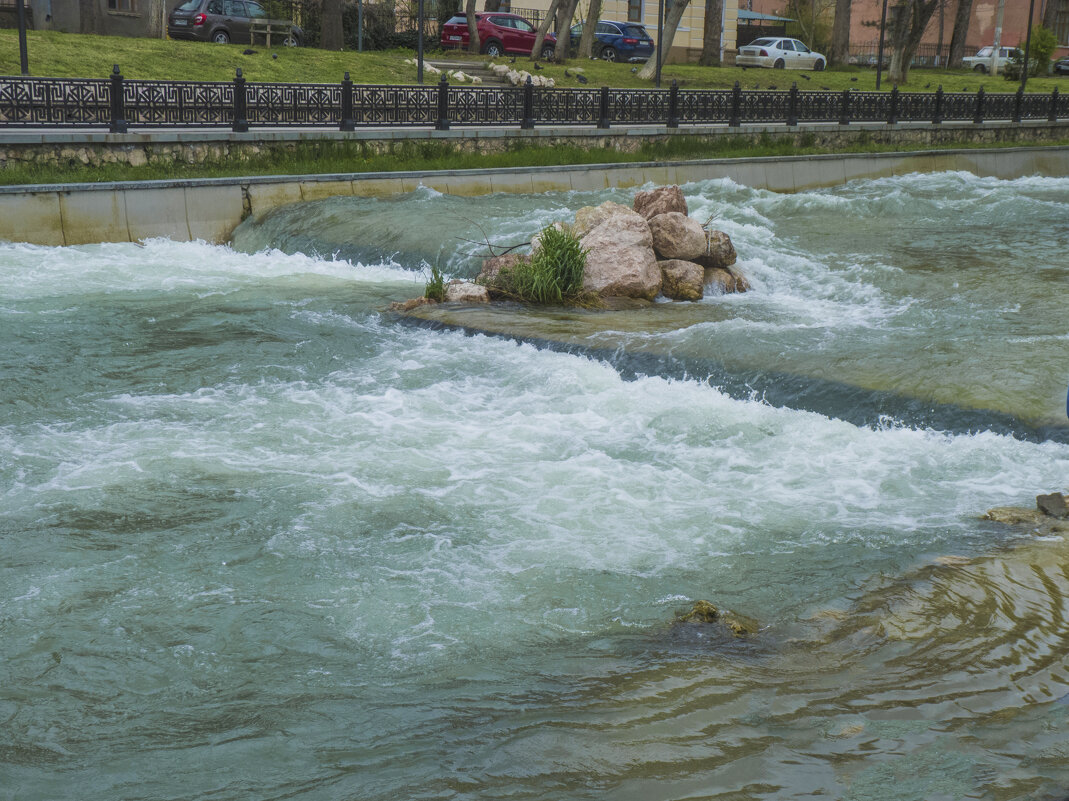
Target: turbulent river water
x,y
262,539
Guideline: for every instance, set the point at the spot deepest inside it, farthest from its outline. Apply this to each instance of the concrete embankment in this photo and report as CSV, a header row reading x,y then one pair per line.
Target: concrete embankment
x,y
209,209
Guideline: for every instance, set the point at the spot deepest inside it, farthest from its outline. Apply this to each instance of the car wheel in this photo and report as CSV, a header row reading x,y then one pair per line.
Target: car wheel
x,y
493,49
548,53
221,37
779,64
608,53
291,41
979,68
819,65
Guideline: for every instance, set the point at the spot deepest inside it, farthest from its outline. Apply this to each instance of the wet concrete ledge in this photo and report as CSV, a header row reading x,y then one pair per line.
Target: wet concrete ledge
x,y
209,209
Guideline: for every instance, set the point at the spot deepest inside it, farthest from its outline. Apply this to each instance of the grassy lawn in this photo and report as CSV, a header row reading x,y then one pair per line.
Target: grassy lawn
x,y
82,56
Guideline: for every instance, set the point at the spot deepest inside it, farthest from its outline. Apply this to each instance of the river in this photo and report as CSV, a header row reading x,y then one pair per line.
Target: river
x,y
263,539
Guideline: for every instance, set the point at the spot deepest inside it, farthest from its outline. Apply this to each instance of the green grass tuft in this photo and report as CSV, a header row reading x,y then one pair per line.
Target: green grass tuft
x,y
435,289
553,276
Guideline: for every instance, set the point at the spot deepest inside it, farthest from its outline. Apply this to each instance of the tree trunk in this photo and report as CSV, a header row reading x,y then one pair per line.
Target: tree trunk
x,y
474,45
330,36
586,41
712,33
962,16
540,34
564,24
910,20
840,34
665,37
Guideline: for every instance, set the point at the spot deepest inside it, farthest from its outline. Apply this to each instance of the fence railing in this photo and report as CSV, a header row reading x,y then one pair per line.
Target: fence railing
x,y
118,104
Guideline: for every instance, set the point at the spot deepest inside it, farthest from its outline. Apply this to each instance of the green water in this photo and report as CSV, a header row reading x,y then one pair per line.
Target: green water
x,y
262,540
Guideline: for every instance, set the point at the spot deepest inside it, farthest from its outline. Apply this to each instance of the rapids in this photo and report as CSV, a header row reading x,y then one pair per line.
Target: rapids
x,y
260,538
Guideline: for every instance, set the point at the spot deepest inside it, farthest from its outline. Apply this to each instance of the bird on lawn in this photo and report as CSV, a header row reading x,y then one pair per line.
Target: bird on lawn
x,y
927,85
826,88
807,77
537,66
248,51
512,60
581,78
634,69
274,55
773,87
567,74
853,79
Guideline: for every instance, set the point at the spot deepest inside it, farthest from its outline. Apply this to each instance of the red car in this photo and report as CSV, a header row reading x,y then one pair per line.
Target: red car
x,y
499,33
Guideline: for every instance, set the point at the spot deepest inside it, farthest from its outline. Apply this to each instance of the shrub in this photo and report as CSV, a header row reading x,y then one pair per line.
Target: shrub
x,y
554,275
1040,49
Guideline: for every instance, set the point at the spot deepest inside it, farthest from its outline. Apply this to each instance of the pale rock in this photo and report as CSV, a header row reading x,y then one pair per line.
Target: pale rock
x,y
677,236
495,264
590,217
457,291
721,281
661,200
621,260
719,252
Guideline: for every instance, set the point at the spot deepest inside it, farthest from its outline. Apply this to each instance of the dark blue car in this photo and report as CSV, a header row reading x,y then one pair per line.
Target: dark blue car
x,y
618,41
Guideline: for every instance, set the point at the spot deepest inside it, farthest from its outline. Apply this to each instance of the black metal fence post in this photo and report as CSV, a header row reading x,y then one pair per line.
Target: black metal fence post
x,y
892,112
528,104
118,108
937,116
241,125
792,105
347,121
978,117
1018,101
673,105
844,108
1052,116
603,110
443,105
736,106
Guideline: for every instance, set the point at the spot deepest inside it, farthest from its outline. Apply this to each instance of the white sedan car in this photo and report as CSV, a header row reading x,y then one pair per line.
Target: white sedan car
x,y
779,53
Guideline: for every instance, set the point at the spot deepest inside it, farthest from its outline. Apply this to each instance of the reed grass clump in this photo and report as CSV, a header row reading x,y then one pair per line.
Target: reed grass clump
x,y
554,275
435,288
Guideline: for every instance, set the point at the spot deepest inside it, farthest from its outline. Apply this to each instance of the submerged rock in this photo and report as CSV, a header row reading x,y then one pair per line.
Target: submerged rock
x,y
1035,519
722,281
410,304
705,613
1052,505
661,200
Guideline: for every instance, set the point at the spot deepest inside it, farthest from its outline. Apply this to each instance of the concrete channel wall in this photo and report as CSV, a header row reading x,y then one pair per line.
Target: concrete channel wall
x,y
210,209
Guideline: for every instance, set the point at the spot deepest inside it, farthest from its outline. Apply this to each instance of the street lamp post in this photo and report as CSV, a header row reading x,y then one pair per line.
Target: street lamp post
x,y
419,43
24,62
1027,44
879,52
660,40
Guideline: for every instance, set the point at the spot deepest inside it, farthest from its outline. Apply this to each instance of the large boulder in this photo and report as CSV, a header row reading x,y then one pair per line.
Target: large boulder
x,y
621,261
466,292
719,252
661,200
682,280
590,217
677,236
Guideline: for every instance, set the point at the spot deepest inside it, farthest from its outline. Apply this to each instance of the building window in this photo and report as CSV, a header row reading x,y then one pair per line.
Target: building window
x,y
634,10
126,6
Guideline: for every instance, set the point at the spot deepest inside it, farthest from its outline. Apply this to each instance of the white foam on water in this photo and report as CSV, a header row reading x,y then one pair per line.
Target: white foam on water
x,y
163,265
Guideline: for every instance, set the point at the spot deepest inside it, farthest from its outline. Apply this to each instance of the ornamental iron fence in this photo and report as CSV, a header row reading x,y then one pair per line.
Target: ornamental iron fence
x,y
117,104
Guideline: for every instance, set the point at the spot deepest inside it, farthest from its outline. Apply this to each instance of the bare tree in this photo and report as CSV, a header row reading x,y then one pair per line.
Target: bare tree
x,y
564,25
712,33
840,34
474,45
665,37
330,36
543,26
1050,13
586,41
910,19
492,5
962,17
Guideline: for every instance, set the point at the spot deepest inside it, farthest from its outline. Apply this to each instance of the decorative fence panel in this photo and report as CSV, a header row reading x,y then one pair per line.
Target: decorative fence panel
x,y
117,104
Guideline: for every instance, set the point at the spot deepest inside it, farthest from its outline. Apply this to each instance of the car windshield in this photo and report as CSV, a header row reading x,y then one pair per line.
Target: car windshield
x,y
984,51
762,42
